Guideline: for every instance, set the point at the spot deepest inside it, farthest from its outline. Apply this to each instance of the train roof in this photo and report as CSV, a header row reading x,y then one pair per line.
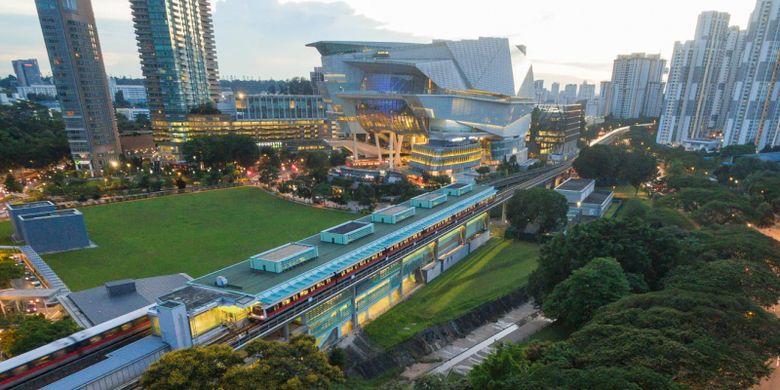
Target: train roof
x,y
271,287
57,345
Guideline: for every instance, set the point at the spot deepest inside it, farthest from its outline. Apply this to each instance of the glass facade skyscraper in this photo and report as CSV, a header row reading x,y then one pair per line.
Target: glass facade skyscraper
x,y
178,58
27,72
72,43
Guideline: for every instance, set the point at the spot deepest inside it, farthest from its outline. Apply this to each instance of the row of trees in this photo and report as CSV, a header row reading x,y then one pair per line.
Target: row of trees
x,y
652,308
609,164
31,136
746,191
218,151
294,365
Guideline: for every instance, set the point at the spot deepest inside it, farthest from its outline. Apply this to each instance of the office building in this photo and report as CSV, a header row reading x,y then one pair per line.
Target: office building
x,y
755,108
178,61
555,91
316,78
569,94
605,98
637,85
133,94
72,43
587,92
451,105
539,91
697,83
41,90
554,132
294,122
27,72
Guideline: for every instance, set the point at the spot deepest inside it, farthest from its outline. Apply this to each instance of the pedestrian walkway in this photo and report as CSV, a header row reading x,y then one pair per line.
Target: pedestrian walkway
x,y
463,354
50,277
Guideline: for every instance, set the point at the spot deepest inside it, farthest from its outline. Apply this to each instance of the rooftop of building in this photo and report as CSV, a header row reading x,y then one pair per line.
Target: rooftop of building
x,y
22,206
114,361
327,48
597,197
347,227
574,184
394,210
113,299
429,196
49,214
271,287
458,185
283,252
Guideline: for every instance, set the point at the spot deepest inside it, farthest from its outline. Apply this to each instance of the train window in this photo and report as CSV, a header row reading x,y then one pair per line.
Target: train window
x,y
41,360
126,326
94,339
59,353
21,369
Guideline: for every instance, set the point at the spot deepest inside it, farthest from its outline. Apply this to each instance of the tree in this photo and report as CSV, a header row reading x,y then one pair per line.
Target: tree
x,y
31,136
441,382
208,108
26,332
634,209
201,367
268,175
647,252
9,270
735,150
294,365
590,287
11,185
719,212
637,168
119,99
220,150
498,369
543,207
599,162
483,170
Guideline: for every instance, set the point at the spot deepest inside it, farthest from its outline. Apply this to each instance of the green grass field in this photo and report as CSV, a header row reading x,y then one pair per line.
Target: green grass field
x,y
493,271
5,233
194,234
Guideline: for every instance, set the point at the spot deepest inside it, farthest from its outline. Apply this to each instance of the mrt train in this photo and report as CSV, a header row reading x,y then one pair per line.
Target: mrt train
x,y
260,313
33,364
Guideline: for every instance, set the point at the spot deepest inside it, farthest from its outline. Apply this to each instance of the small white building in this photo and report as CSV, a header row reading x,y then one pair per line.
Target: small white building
x,y
583,197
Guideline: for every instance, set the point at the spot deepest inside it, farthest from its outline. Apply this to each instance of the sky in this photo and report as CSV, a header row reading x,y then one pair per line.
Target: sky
x,y
567,40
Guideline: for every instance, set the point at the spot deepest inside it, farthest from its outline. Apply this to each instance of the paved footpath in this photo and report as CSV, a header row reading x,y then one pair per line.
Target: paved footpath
x,y
462,354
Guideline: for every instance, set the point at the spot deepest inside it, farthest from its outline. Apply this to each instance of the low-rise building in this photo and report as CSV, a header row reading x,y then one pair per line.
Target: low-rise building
x,y
55,231
584,199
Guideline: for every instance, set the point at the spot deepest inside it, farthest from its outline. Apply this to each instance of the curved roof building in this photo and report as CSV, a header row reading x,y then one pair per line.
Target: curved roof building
x,y
458,103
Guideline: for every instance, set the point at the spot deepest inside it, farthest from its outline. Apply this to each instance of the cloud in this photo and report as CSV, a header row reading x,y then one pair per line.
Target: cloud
x,y
265,38
258,38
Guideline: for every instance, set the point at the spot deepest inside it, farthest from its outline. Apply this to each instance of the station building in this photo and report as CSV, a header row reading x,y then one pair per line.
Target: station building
x,y
328,284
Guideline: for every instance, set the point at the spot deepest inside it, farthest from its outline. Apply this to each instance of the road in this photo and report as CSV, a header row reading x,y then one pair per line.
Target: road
x,y
773,382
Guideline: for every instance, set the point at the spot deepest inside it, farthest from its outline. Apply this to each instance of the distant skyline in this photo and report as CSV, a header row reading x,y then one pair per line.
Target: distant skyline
x,y
568,40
